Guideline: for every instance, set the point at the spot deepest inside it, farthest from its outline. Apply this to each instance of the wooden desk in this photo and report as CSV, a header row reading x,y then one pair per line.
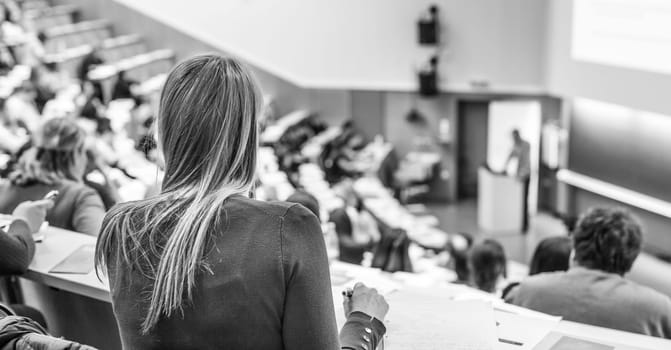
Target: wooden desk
x,y
88,313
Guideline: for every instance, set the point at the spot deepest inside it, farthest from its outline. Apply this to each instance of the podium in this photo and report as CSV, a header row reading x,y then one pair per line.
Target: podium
x,y
500,202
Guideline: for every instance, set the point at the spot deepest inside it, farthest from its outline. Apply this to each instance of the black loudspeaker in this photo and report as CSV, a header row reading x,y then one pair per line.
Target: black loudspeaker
x,y
428,79
428,28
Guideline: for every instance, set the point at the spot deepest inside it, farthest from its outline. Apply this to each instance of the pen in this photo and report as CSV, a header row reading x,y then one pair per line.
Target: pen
x,y
511,342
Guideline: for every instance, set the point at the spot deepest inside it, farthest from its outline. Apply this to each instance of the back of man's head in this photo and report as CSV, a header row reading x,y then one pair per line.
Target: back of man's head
x,y
487,264
607,240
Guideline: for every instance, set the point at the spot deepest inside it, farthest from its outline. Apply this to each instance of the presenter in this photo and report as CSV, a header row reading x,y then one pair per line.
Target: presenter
x,y
521,154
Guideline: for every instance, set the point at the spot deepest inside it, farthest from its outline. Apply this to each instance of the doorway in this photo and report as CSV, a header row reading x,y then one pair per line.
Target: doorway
x,y
473,124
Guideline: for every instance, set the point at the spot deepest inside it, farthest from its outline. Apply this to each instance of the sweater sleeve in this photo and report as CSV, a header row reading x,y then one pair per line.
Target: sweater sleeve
x,y
16,249
89,212
309,316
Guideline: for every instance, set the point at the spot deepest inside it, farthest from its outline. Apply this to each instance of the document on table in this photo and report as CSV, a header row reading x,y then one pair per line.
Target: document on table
x,y
522,332
79,262
429,321
560,341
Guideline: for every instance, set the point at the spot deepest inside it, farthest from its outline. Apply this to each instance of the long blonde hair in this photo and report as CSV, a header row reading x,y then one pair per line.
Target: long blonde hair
x,y
207,134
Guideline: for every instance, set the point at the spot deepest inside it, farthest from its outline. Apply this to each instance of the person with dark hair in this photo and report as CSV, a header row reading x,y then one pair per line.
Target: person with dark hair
x,y
356,228
487,265
89,62
552,254
305,199
458,246
123,87
56,161
594,291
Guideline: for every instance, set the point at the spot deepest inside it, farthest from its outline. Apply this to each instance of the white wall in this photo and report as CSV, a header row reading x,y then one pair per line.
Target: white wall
x,y
568,78
368,45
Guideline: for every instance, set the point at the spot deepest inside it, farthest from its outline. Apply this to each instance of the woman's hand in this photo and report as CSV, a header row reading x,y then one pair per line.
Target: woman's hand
x,y
366,300
33,213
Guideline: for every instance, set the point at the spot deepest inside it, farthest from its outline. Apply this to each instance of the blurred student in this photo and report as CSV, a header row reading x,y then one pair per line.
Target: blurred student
x,y
594,291
356,228
12,136
21,107
487,265
551,255
88,63
57,161
17,246
172,257
123,87
307,200
457,247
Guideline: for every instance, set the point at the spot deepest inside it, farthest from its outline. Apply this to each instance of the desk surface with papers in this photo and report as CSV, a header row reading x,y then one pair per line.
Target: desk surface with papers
x,y
426,312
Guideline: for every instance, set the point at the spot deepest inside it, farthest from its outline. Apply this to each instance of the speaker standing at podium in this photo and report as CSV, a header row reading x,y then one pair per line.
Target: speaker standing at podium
x,y
521,154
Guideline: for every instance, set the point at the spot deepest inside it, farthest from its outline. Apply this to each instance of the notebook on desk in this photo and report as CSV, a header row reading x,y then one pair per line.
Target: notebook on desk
x,y
79,262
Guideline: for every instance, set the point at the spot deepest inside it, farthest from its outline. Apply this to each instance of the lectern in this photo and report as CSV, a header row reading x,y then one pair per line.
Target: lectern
x,y
500,202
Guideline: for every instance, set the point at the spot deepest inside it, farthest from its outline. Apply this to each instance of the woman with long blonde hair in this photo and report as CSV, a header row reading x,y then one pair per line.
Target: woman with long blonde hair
x,y
201,265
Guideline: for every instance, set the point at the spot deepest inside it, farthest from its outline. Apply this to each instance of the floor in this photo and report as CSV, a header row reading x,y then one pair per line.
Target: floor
x,y
463,216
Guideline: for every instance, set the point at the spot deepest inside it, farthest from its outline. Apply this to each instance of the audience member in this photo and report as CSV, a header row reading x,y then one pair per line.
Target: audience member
x,y
551,255
89,62
17,246
123,87
18,332
12,136
594,291
356,228
457,247
21,107
172,257
487,265
307,200
339,156
57,161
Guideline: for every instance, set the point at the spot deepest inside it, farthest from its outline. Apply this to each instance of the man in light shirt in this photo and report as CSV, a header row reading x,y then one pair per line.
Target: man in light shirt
x,y
521,155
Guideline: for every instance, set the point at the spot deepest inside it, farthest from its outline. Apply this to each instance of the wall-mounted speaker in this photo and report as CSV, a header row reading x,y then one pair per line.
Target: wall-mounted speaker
x,y
428,27
428,78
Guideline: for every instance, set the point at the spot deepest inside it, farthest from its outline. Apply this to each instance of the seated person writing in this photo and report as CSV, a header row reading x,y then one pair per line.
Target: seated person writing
x,y
57,161
594,291
17,246
201,265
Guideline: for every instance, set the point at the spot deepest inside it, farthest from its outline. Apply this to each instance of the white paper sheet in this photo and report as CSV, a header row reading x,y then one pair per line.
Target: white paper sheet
x,y
522,332
464,325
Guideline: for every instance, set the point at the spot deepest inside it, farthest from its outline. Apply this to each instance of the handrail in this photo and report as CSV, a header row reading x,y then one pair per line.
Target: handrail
x,y
620,194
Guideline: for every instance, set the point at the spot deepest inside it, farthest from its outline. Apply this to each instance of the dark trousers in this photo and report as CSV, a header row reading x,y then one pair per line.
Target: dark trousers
x,y
525,213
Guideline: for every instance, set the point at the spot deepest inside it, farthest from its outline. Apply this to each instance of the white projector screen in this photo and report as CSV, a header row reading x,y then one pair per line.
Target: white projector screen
x,y
633,34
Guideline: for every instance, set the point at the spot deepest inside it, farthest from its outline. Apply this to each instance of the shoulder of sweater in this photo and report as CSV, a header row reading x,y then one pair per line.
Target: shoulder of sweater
x,y
274,209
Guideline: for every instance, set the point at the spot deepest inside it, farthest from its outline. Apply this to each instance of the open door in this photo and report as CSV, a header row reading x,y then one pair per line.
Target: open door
x,y
504,117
